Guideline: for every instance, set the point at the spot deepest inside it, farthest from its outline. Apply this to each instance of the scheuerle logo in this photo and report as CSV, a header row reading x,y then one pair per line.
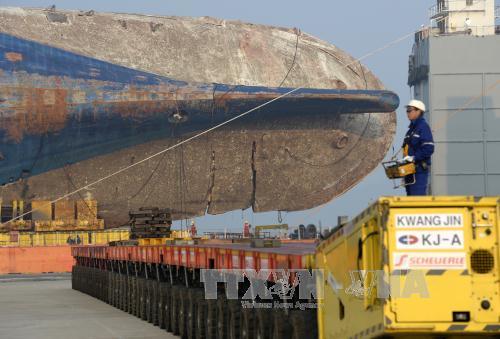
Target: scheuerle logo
x,y
430,239
448,220
429,260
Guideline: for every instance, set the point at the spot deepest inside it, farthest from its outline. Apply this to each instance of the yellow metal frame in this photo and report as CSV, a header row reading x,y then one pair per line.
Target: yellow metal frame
x,y
260,228
30,239
373,233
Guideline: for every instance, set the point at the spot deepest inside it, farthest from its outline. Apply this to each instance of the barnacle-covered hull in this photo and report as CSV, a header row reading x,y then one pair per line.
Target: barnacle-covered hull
x,y
83,95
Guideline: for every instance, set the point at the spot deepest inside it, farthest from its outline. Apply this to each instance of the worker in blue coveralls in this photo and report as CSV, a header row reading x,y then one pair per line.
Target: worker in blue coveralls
x,y
418,147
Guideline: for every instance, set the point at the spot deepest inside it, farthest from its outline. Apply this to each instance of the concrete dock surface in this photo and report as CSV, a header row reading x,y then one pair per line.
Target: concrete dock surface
x,y
47,307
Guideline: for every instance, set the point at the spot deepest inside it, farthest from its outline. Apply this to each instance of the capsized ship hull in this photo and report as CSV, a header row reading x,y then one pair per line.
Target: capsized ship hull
x,y
70,118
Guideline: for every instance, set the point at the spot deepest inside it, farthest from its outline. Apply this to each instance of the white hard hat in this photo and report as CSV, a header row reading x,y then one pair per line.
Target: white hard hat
x,y
417,104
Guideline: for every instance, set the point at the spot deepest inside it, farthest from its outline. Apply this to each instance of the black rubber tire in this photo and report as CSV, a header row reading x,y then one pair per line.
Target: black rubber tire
x,y
263,323
125,288
110,287
174,308
131,294
234,319
183,310
119,290
155,297
201,316
162,286
281,326
104,286
116,290
149,299
142,298
247,327
74,274
85,280
194,296
167,321
211,319
135,292
222,317
303,324
96,283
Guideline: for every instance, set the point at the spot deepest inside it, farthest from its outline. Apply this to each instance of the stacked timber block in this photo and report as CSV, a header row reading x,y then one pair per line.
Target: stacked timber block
x,y
150,222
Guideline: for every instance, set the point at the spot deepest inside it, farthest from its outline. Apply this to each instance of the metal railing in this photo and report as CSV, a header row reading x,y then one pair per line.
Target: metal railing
x,y
471,30
447,6
497,12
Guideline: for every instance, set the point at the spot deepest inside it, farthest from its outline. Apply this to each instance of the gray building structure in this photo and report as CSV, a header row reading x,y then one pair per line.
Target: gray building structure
x,y
455,70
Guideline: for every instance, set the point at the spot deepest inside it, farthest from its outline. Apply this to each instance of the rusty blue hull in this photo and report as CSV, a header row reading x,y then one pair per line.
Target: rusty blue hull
x,y
59,108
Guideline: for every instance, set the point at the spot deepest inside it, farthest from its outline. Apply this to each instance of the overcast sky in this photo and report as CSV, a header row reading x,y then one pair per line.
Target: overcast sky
x,y
357,26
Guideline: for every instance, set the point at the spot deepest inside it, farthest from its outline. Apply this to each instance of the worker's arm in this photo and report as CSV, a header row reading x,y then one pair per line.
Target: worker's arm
x,y
426,144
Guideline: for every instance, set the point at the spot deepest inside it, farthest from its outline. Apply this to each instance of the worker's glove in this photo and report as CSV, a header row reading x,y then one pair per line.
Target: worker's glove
x,y
409,158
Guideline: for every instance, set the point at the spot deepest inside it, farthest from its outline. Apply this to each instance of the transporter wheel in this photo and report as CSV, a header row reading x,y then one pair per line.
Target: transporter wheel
x,y
86,281
222,317
149,299
234,319
73,277
103,284
211,319
143,290
110,287
281,326
175,308
154,302
91,282
247,326
133,297
183,311
200,319
117,291
194,296
125,288
76,277
81,278
137,295
161,304
303,324
111,291
131,294
263,323
103,277
167,304
94,283
140,298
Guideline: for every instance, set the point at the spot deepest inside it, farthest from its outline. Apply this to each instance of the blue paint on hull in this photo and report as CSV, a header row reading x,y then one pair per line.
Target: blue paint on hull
x,y
59,107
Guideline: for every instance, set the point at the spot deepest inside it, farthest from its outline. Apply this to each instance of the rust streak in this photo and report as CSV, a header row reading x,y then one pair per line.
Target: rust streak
x,y
42,111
